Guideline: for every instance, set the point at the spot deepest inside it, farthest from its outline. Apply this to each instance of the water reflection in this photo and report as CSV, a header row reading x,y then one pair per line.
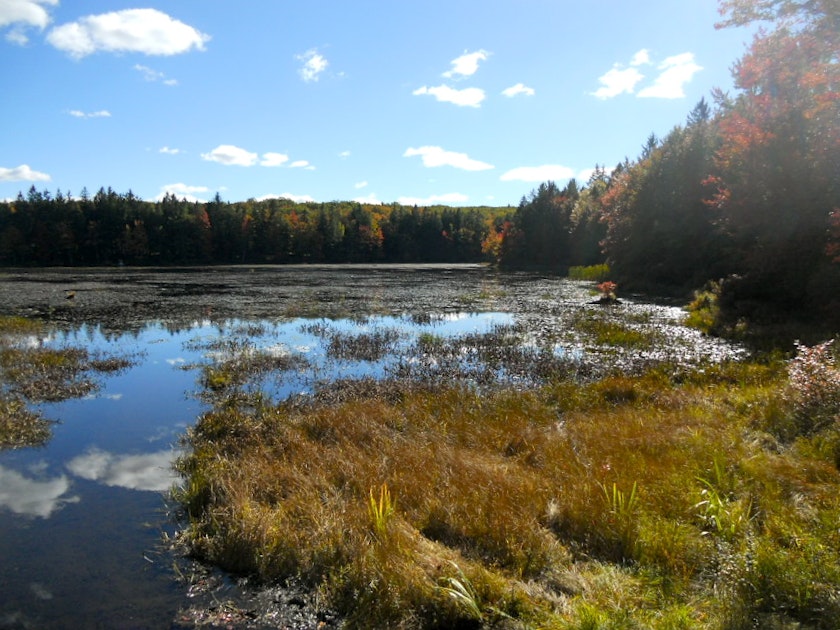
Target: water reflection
x,y
146,471
33,497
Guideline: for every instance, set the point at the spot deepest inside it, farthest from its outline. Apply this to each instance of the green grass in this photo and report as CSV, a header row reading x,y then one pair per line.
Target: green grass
x,y
593,273
650,501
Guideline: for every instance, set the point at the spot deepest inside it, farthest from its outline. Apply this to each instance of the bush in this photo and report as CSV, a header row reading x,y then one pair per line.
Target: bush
x,y
814,387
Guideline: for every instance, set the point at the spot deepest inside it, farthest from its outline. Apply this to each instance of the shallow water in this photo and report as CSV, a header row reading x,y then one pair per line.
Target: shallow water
x,y
81,519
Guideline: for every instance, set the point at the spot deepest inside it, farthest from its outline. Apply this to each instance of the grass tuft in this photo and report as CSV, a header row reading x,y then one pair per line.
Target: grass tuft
x,y
655,500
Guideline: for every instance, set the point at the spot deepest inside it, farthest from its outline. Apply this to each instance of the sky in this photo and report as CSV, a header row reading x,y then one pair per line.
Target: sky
x,y
455,102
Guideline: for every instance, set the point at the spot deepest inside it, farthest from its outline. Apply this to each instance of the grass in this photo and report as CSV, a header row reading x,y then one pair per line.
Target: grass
x,y
592,273
660,500
32,373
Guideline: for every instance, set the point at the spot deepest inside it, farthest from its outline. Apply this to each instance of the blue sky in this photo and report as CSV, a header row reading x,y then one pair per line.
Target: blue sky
x,y
460,102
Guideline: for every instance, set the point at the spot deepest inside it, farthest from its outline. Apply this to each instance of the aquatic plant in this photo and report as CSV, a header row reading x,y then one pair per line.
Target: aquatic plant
x,y
31,372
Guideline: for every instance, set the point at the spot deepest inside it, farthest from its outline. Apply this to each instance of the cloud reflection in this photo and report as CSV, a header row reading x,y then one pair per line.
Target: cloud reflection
x,y
32,497
147,471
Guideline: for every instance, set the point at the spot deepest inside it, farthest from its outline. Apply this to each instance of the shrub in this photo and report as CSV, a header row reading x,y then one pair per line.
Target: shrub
x,y
814,380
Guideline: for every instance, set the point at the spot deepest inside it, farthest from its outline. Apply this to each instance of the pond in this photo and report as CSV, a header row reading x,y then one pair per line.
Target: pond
x,y
83,518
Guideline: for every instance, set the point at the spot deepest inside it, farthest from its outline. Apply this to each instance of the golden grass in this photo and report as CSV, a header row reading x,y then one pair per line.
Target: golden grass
x,y
649,502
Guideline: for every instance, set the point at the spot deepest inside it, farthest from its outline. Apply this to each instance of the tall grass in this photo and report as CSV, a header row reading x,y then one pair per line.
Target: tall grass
x,y
593,273
651,501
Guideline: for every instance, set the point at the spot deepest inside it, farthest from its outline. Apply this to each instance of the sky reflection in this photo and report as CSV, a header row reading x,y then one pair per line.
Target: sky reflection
x,y
146,471
33,497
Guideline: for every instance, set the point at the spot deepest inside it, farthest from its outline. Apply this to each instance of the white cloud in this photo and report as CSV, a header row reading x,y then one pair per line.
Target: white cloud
x,y
152,75
230,155
641,58
22,173
359,185
183,191
31,497
302,164
544,173
274,159
314,64
467,64
148,471
468,97
344,155
447,198
289,196
23,14
617,81
585,174
676,72
146,31
169,151
436,156
516,90
102,113
372,198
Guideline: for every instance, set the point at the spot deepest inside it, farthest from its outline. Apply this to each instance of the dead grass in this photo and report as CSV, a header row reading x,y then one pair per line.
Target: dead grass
x,y
653,501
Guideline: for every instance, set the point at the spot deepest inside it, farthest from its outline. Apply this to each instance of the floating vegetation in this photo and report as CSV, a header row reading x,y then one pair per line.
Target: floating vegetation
x,y
32,372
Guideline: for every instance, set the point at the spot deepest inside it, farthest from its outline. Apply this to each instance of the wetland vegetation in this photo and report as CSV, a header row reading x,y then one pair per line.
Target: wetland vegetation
x,y
540,460
664,496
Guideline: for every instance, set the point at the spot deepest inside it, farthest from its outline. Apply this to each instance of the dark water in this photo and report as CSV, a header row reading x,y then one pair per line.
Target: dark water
x,y
82,519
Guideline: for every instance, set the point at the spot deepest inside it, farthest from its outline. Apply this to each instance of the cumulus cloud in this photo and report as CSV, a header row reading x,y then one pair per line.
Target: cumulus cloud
x,y
23,14
467,64
344,155
516,90
146,31
468,97
33,497
274,159
546,172
22,173
289,196
617,81
675,72
169,151
230,155
102,113
302,164
153,76
641,58
183,191
447,198
314,64
372,199
148,471
359,185
436,156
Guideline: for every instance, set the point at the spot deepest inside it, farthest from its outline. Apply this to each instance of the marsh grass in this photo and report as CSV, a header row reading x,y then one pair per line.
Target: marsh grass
x,y
591,273
32,373
602,329
654,500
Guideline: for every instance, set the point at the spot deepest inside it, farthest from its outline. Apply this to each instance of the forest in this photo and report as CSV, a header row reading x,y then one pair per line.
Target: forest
x,y
740,205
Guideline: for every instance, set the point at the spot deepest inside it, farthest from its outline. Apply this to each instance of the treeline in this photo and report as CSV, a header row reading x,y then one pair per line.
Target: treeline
x,y
743,198
111,228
